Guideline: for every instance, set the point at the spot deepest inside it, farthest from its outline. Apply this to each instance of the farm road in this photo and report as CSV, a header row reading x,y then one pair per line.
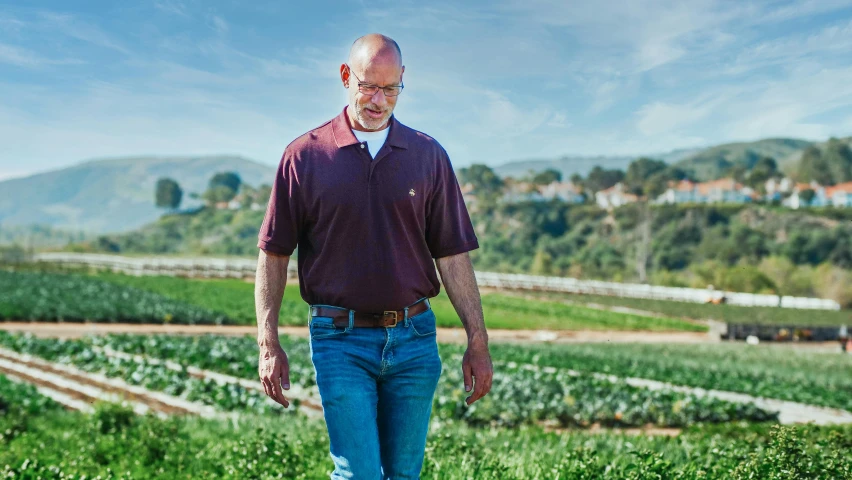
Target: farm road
x,y
445,335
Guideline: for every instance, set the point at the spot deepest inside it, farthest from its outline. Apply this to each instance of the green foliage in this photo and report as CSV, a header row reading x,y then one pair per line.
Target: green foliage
x,y
19,397
518,396
486,183
111,443
712,163
168,193
600,178
547,177
775,371
829,165
229,180
78,298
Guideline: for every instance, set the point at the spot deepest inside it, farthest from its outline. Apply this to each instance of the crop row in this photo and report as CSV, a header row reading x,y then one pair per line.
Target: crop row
x,y
516,397
223,396
781,372
114,443
76,298
22,397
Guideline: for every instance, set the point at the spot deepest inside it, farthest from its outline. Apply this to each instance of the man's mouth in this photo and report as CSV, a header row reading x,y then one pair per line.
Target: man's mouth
x,y
374,113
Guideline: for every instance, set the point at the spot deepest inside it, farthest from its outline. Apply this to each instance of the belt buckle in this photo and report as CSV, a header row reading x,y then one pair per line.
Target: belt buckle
x,y
395,317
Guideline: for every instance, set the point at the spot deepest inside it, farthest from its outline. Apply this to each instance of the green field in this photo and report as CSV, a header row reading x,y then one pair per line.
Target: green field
x,y
701,311
235,298
112,442
775,371
517,398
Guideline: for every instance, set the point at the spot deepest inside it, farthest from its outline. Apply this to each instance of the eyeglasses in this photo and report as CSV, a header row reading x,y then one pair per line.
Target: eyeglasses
x,y
370,89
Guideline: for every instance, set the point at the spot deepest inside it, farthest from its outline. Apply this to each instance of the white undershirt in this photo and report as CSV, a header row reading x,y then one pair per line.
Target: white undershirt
x,y
374,140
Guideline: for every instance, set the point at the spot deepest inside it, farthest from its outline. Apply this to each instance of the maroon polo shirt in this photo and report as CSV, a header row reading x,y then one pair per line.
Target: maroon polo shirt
x,y
367,230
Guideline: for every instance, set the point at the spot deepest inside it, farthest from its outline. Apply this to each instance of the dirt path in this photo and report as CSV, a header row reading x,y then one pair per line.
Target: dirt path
x,y
445,335
89,387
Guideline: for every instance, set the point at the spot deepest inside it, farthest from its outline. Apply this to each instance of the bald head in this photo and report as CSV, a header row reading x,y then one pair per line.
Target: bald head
x,y
374,61
374,46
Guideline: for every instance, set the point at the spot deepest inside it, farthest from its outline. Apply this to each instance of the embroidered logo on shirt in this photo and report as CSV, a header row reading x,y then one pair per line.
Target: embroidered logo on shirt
x,y
411,192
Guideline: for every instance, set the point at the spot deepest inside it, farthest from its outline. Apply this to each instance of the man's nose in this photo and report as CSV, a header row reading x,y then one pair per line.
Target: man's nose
x,y
379,98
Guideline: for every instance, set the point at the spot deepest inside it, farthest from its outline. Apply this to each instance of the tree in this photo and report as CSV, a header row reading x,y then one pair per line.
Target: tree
x,y
814,166
542,263
807,196
547,177
577,180
485,182
226,179
222,187
838,159
640,171
601,179
218,194
168,194
763,170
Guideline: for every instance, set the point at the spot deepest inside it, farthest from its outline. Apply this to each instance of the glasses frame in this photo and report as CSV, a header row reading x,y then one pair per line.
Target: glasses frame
x,y
363,84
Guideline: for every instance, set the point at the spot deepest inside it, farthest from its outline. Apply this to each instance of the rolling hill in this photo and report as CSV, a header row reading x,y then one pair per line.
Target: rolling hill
x,y
113,195
712,163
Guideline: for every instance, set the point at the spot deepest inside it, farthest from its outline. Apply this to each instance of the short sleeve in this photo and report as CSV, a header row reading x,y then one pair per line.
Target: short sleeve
x,y
282,224
449,230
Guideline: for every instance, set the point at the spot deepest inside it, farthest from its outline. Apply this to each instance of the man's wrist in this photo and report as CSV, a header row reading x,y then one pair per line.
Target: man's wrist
x,y
268,341
479,338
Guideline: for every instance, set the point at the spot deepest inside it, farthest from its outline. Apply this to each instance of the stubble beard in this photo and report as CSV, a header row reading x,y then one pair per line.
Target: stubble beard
x,y
371,123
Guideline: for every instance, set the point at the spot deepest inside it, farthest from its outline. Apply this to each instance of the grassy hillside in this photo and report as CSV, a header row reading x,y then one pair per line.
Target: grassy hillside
x,y
714,162
113,195
208,231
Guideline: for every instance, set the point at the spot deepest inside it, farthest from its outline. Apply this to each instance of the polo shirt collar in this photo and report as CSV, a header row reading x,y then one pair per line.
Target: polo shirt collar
x,y
344,137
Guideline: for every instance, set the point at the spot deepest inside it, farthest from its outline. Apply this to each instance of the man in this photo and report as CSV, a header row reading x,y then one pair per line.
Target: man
x,y
370,202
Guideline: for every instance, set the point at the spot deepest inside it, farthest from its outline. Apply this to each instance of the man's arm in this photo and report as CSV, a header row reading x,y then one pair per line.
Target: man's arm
x,y
460,283
270,280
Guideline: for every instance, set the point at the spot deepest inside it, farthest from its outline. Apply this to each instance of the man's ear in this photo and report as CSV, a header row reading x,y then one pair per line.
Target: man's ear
x,y
344,75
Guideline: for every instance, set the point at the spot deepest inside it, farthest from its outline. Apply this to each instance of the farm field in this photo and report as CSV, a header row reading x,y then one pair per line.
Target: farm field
x,y
775,371
192,404
701,311
112,442
181,300
266,441
517,397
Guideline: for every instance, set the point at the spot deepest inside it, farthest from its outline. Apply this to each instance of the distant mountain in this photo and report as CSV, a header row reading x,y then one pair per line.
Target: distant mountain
x,y
113,195
712,163
568,165
582,164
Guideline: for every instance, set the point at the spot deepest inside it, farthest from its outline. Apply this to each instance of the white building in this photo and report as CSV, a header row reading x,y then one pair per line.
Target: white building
x,y
614,197
725,190
565,191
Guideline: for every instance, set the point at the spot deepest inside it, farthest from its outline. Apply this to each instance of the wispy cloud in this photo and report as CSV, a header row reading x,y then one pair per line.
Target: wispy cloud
x,y
73,27
173,7
493,81
22,57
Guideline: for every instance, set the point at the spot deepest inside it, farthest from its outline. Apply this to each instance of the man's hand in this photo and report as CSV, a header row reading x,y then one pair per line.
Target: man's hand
x,y
274,371
476,365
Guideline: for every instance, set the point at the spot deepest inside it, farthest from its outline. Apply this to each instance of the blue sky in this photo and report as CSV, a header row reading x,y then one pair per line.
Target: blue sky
x,y
493,81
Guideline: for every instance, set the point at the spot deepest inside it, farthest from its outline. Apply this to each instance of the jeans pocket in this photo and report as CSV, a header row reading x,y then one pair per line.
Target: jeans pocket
x,y
424,323
324,327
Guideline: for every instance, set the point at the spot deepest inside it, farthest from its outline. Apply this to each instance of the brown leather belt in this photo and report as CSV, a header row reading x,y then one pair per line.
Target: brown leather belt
x,y
388,318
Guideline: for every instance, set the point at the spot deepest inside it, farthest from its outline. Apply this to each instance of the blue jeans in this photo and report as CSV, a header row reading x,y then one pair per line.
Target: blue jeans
x,y
376,385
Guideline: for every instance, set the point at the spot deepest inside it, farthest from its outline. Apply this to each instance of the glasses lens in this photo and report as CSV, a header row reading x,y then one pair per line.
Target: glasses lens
x,y
392,91
368,89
